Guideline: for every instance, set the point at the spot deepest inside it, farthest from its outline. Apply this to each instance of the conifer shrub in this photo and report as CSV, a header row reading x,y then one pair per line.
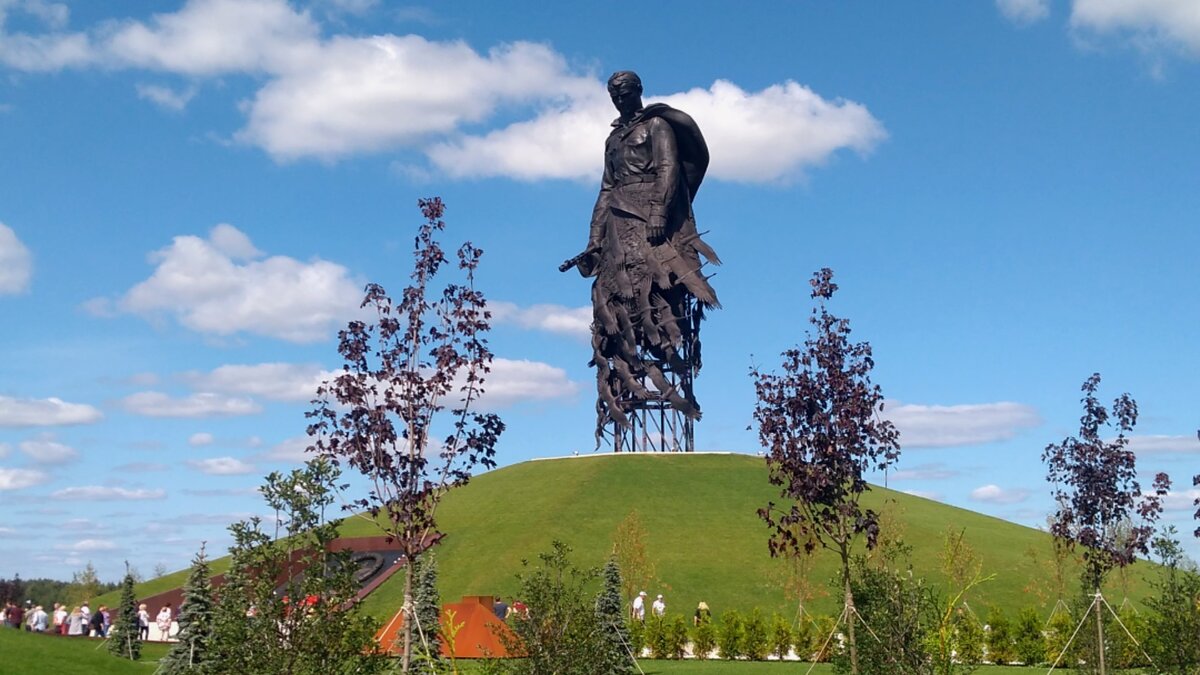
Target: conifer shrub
x,y
1028,643
729,635
190,655
126,643
781,637
704,639
1001,649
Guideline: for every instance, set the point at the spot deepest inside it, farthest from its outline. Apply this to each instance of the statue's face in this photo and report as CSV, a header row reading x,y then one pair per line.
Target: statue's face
x,y
626,98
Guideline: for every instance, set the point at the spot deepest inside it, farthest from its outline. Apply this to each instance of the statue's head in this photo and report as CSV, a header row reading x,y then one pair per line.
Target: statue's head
x,y
625,88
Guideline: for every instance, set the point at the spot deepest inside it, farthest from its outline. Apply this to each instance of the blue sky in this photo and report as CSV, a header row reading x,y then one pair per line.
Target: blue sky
x,y
191,202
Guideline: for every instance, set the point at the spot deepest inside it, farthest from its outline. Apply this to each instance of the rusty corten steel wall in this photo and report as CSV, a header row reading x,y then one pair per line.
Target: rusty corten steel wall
x,y
477,638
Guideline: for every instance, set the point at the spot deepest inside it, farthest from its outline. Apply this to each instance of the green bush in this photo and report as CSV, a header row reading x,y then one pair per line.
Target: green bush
x,y
637,636
1058,632
729,635
1001,648
1029,645
755,641
1126,652
704,639
656,637
823,645
676,637
1175,612
968,638
781,636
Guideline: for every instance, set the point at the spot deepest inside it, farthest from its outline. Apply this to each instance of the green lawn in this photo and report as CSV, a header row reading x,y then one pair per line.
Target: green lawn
x,y
703,533
699,512
22,652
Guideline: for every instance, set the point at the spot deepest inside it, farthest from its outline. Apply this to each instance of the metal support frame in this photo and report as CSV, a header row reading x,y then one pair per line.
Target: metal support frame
x,y
656,426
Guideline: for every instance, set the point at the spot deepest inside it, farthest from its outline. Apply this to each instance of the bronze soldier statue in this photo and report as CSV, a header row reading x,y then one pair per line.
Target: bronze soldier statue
x,y
649,293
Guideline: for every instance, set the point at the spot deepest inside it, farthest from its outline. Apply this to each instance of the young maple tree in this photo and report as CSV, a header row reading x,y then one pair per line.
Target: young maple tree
x,y
1096,488
819,424
419,358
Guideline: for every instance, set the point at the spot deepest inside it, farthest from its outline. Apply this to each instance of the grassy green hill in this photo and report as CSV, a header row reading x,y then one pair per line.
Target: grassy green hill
x,y
704,536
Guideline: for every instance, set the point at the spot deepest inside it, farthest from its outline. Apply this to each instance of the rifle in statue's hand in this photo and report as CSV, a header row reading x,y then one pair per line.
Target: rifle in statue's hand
x,y
572,262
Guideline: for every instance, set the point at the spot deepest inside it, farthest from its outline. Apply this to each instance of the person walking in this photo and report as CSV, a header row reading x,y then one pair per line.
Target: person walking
x,y
76,625
164,622
659,607
638,613
143,622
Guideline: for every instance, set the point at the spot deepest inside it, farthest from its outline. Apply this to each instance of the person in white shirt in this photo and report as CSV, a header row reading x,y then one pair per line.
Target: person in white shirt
x,y
659,607
639,607
40,620
60,617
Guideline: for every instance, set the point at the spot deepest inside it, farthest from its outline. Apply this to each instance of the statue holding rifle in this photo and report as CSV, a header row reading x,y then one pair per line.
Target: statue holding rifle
x,y
649,294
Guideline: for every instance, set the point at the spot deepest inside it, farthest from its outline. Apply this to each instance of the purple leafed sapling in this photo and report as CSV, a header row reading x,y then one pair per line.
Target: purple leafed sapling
x,y
1098,495
820,425
403,410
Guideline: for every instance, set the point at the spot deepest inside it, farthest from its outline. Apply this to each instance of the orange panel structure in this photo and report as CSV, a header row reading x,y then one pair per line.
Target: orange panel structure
x,y
478,636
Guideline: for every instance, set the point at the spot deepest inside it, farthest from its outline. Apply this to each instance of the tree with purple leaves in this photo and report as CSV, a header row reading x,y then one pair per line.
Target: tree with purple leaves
x,y
820,425
1098,496
420,358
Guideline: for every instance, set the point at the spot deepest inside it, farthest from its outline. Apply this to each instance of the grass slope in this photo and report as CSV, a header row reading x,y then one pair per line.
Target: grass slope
x,y
22,652
704,536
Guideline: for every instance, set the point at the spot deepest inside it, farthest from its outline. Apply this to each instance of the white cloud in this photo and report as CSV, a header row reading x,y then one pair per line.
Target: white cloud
x,y
158,404
925,472
935,496
44,52
17,479
941,426
166,97
1164,444
222,285
332,96
215,37
46,450
16,263
994,494
141,467
1148,24
372,94
105,494
275,381
89,545
771,135
221,466
53,14
516,381
351,6
45,412
289,450
5,448
198,439
222,492
7,532
79,525
1181,501
573,321
1024,12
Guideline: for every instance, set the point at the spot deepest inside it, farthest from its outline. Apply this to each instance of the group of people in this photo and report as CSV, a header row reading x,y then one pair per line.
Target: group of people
x,y
637,611
80,621
503,610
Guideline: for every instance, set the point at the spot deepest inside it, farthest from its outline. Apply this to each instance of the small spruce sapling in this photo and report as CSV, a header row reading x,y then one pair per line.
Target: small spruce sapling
x,y
190,654
127,643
